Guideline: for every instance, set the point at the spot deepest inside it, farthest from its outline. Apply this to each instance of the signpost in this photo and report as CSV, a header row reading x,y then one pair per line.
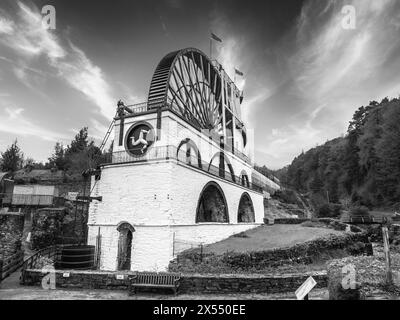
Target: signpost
x,y
71,196
305,289
386,248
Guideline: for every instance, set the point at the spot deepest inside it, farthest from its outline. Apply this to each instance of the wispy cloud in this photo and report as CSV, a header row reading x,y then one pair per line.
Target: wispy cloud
x,y
29,40
12,120
332,72
6,26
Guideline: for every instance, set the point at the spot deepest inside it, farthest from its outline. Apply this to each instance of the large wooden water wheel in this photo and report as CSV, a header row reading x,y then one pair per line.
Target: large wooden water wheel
x,y
188,83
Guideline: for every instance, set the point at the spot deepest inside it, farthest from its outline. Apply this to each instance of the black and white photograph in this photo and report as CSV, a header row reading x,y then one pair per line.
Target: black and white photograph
x,y
201,156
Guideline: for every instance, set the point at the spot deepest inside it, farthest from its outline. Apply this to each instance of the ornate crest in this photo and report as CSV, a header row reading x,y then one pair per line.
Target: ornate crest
x,y
139,139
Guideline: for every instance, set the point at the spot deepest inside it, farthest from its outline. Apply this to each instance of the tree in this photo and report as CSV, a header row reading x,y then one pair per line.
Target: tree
x,y
388,151
316,184
80,142
58,158
12,159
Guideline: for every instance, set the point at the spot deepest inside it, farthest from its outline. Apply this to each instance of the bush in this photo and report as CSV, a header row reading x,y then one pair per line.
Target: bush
x,y
324,211
313,224
241,235
330,210
286,196
336,209
360,211
44,262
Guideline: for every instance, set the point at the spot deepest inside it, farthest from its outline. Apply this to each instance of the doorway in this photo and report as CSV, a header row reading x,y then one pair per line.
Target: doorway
x,y
125,246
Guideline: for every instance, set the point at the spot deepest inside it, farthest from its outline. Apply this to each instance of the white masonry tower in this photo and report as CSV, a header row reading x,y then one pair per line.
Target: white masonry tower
x,y
181,172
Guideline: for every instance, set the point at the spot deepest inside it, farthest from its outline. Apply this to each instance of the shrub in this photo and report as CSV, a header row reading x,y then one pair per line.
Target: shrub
x,y
286,196
336,209
44,262
241,235
324,211
332,210
359,211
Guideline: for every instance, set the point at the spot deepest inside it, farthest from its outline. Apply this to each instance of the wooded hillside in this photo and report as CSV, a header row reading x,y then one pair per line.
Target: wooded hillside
x,y
361,168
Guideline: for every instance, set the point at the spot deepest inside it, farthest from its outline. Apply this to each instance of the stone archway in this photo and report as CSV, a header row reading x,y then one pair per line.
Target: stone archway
x,y
124,246
246,209
212,206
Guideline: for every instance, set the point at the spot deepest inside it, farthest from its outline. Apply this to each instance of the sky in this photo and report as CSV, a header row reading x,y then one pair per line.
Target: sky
x,y
305,71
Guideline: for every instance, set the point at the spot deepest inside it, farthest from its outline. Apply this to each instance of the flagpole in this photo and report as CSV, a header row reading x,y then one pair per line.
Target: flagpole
x,y
210,48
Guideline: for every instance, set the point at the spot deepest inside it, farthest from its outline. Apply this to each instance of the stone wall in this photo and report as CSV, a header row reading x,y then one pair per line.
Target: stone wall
x,y
227,284
11,229
287,221
46,227
189,283
359,278
80,279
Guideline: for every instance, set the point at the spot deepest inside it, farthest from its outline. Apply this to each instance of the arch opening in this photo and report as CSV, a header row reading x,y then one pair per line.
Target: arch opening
x,y
246,209
189,153
212,206
125,246
244,179
218,165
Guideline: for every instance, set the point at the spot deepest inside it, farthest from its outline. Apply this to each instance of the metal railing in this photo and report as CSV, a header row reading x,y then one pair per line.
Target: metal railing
x,y
172,152
144,107
10,264
358,219
241,156
139,108
52,253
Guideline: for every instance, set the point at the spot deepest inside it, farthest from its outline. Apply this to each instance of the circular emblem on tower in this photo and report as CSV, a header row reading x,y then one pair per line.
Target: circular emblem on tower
x,y
139,139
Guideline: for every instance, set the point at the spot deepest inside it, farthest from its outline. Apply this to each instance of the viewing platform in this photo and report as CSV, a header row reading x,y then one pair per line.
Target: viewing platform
x,y
165,153
160,106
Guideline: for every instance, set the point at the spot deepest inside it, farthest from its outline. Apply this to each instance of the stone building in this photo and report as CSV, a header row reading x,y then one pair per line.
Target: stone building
x,y
181,171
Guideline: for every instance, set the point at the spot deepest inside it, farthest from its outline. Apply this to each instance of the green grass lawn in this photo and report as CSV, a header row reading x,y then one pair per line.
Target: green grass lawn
x,y
269,237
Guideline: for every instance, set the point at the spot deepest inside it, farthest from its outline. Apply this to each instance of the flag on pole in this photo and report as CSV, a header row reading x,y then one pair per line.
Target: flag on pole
x,y
214,37
239,73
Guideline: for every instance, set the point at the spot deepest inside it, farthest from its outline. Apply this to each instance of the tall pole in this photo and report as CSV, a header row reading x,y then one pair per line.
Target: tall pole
x,y
386,247
210,48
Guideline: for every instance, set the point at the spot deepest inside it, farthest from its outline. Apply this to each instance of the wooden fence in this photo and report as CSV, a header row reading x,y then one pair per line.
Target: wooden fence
x,y
9,265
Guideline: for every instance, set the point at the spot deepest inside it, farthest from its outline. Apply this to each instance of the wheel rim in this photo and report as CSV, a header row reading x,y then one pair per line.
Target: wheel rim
x,y
187,82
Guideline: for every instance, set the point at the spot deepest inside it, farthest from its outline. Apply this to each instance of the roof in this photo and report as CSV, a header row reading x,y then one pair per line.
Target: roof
x,y
41,175
4,175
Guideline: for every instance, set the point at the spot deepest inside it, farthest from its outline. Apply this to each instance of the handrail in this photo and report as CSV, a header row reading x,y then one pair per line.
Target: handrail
x,y
50,252
10,264
144,107
172,152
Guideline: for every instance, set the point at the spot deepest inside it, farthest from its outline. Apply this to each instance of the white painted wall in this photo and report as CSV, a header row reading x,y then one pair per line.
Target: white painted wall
x,y
159,199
